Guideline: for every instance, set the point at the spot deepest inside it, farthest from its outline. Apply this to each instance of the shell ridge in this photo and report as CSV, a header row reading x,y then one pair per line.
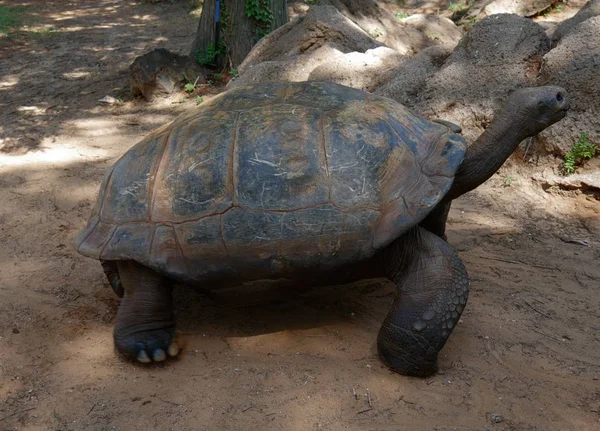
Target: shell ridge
x,y
110,237
324,145
233,160
112,170
395,132
183,256
152,191
90,232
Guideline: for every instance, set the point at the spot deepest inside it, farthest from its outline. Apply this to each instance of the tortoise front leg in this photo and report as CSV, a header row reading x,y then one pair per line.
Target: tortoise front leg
x,y
145,324
435,222
432,290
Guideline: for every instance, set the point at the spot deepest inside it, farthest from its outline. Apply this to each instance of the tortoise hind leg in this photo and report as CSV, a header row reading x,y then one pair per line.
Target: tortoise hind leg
x,y
145,325
112,274
432,290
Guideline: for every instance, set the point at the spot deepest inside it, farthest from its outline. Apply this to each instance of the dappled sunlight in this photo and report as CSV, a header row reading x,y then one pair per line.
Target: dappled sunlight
x,y
9,81
51,153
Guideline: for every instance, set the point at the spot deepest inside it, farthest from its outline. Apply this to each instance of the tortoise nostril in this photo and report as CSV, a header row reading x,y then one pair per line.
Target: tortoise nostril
x,y
559,97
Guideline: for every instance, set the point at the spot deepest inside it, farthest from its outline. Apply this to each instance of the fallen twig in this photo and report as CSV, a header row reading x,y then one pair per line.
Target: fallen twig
x,y
369,399
545,335
536,310
364,411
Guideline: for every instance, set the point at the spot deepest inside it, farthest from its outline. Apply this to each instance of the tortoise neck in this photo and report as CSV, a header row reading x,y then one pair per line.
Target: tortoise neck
x,y
487,154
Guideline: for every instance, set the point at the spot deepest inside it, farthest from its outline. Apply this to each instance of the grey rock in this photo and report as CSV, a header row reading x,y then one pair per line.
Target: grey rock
x,y
160,72
589,10
519,7
574,64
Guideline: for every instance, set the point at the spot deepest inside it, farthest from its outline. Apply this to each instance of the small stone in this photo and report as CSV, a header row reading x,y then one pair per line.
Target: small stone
x,y
109,100
496,419
16,331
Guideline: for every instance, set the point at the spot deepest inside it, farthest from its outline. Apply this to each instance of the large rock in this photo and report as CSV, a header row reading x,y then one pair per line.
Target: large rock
x,y
322,25
365,71
589,10
435,27
518,7
575,64
161,72
410,77
320,38
380,22
498,55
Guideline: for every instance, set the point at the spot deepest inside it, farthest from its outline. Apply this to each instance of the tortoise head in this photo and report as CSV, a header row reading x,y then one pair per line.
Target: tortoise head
x,y
526,113
536,108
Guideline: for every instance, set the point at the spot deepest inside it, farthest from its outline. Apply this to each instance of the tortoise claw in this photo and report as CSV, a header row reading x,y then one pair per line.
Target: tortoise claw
x,y
143,357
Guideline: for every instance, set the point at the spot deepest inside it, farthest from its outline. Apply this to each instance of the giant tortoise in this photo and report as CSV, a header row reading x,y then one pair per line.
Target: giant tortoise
x,y
311,182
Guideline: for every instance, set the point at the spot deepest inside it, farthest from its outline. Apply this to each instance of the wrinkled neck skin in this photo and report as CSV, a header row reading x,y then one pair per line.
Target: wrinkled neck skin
x,y
485,156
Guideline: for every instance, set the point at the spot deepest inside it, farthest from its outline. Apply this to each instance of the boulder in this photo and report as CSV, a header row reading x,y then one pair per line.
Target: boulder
x,y
161,72
410,77
589,10
381,23
310,46
498,55
574,64
518,7
365,71
435,27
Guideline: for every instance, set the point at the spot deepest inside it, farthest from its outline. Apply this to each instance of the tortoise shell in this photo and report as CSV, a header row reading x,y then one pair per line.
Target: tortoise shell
x,y
270,178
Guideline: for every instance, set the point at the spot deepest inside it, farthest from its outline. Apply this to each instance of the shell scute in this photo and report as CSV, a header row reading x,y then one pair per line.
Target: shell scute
x,y
194,178
280,158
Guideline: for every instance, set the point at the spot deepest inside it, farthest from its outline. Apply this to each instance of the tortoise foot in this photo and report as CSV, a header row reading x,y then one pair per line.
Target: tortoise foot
x,y
146,346
145,326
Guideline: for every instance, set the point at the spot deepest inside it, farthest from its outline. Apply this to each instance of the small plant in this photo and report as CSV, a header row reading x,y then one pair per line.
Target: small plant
x,y
401,15
554,8
10,18
209,57
582,150
234,73
508,181
455,7
189,86
469,21
199,100
260,12
458,9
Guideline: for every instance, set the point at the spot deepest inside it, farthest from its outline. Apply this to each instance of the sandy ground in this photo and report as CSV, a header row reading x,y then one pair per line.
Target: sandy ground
x,y
526,352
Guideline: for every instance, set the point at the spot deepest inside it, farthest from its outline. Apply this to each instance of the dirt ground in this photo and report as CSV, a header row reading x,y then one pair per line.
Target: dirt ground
x,y
525,356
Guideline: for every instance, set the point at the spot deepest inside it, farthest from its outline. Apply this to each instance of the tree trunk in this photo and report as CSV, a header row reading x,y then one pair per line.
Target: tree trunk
x,y
237,31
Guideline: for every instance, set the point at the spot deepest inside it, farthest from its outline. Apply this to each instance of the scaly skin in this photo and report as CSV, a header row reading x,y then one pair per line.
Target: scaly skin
x,y
432,290
145,324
